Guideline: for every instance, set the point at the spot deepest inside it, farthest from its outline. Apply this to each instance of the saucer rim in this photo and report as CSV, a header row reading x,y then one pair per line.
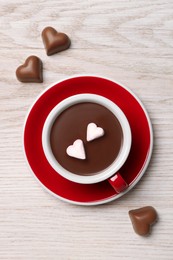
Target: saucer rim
x,y
136,180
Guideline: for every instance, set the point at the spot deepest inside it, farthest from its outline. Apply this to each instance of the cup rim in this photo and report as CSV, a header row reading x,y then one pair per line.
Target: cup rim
x,y
117,163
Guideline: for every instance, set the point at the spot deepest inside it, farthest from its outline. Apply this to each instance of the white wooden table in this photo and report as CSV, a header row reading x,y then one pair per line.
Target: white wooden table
x,y
129,41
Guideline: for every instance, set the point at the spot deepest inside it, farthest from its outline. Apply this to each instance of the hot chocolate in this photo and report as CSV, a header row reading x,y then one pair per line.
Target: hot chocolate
x,y
72,124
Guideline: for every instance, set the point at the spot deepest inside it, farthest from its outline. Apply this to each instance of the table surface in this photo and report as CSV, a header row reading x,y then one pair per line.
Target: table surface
x,y
128,41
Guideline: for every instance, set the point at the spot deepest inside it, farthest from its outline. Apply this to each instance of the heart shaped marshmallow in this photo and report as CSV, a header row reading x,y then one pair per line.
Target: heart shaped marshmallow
x,y
94,132
76,150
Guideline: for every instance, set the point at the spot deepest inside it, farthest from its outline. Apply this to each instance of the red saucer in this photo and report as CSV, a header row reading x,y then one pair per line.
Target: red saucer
x,y
132,170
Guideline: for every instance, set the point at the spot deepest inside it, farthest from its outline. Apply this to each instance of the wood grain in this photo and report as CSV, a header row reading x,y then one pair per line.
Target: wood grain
x,y
129,41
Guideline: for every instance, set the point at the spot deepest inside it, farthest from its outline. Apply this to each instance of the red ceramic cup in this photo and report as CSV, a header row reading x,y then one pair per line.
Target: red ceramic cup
x,y
111,173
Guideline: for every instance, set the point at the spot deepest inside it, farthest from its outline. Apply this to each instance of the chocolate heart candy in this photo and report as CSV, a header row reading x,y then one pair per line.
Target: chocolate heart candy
x,y
54,41
142,219
30,71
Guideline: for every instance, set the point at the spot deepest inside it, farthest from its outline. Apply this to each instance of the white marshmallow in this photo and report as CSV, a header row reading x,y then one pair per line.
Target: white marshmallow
x,y
94,132
76,150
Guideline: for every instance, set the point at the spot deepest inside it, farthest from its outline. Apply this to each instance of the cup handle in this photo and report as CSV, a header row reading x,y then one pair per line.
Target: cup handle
x,y
118,183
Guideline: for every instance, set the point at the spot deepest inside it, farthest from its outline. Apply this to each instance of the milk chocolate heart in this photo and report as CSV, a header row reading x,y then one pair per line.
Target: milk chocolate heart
x,y
142,219
30,71
54,41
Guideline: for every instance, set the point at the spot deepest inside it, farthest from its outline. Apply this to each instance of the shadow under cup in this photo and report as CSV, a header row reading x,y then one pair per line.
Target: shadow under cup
x,y
105,155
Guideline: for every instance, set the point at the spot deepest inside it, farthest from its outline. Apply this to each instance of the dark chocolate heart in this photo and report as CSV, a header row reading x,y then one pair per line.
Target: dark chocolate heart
x,y
30,71
142,219
54,41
